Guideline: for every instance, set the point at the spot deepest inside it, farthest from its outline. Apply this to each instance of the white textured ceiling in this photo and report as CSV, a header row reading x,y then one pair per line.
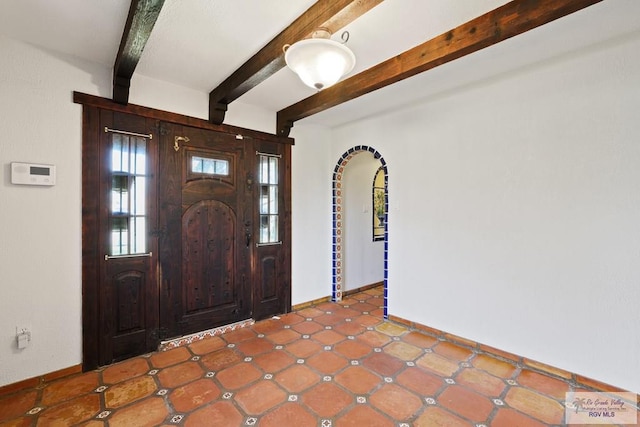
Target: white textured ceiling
x,y
198,43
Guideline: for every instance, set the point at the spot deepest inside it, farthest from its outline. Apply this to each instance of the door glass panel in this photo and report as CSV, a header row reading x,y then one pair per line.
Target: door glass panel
x,y
119,236
268,198
208,166
128,216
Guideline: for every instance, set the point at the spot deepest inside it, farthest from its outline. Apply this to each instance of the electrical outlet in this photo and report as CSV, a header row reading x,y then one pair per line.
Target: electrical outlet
x,y
23,336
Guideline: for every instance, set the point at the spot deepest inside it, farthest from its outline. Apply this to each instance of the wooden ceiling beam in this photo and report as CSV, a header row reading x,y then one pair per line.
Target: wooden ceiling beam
x,y
142,17
509,20
331,14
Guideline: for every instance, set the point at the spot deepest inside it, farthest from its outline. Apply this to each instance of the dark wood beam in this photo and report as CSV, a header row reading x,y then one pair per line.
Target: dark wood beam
x,y
331,14
511,19
142,17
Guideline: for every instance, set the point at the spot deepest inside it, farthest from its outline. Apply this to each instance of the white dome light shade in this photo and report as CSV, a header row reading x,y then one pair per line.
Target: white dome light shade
x,y
319,62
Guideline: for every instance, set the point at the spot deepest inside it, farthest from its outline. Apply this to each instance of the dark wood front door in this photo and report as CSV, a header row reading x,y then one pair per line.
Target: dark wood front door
x,y
183,229
205,223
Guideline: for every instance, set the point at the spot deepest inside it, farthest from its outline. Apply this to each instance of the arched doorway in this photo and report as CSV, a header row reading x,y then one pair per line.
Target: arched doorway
x,y
338,221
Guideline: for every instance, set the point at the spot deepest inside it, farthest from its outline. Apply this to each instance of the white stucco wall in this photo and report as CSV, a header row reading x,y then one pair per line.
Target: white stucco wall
x,y
363,259
311,214
515,206
40,233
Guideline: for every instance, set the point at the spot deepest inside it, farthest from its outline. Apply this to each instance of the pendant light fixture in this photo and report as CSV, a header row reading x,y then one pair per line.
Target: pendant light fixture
x,y
319,61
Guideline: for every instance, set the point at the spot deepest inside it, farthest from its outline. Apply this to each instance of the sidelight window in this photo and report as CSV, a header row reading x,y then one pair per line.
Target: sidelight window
x,y
128,214
268,165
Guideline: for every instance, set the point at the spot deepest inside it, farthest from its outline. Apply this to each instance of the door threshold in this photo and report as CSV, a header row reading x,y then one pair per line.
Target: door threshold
x,y
191,338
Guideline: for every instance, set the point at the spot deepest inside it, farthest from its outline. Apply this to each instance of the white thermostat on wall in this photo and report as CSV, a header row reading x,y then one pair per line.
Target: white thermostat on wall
x,y
33,174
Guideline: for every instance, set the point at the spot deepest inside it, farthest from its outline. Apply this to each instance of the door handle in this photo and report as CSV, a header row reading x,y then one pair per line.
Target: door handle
x,y
247,232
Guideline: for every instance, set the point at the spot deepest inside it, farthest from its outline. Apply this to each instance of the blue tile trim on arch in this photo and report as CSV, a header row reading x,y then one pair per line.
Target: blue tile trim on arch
x,y
337,285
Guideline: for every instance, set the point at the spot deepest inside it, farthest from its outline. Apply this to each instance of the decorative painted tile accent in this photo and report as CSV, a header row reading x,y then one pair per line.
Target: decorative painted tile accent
x,y
465,364
411,364
388,379
326,423
327,348
512,382
305,337
278,347
251,421
300,361
231,345
189,339
195,358
430,401
268,376
260,335
347,320
287,326
248,359
153,372
498,402
34,411
228,395
377,350
337,208
328,327
176,419
293,398
428,350
210,375
355,363
101,389
327,378
351,337
449,381
361,399
102,415
162,392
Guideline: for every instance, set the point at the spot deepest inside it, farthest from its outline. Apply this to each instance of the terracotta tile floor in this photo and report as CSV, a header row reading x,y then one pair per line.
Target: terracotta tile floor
x,y
327,365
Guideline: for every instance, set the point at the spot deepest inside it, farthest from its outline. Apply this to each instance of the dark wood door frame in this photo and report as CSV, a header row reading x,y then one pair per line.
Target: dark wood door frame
x,y
91,250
